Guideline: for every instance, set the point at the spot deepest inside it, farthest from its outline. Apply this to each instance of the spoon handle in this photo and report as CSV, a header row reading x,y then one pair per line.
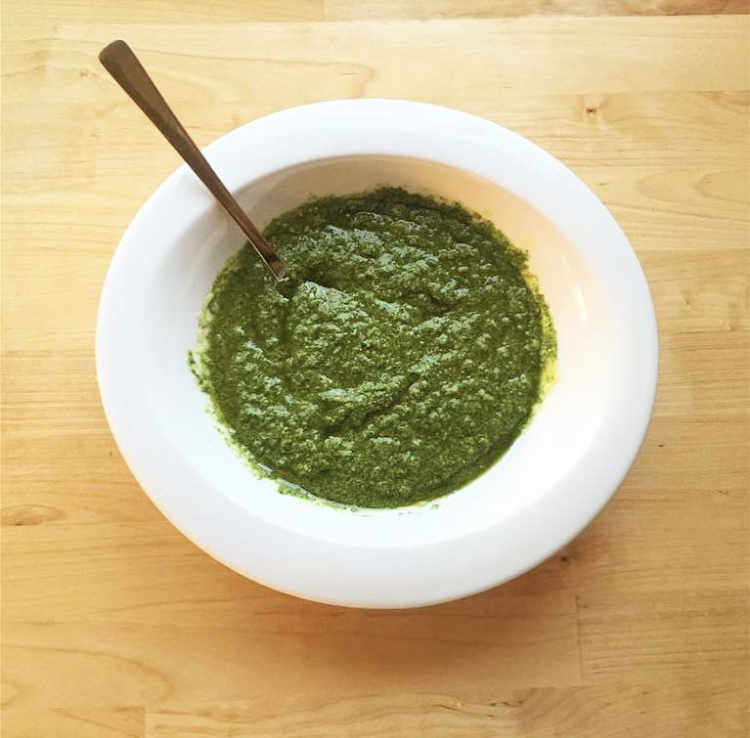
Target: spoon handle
x,y
120,61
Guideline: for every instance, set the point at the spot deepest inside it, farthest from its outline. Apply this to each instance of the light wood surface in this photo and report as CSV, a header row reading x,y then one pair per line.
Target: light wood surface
x,y
115,625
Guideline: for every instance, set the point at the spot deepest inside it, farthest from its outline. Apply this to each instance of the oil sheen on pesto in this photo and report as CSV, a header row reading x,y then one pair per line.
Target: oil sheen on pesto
x,y
405,362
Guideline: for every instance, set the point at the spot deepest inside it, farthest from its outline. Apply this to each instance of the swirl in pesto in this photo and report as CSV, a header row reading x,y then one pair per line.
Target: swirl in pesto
x,y
405,362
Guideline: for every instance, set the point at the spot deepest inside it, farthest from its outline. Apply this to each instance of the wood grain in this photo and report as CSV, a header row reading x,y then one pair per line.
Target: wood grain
x,y
428,9
37,12
115,625
534,713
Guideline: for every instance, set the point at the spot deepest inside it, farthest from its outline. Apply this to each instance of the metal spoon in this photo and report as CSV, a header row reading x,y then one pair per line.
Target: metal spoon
x,y
120,61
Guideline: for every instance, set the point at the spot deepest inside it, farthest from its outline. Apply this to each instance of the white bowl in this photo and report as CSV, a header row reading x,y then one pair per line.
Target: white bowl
x,y
551,483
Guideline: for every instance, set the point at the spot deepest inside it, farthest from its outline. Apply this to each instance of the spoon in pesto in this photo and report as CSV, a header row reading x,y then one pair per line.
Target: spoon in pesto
x,y
120,61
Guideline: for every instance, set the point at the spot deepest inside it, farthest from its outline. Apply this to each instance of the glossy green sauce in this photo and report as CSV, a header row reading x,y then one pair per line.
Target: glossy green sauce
x,y
405,362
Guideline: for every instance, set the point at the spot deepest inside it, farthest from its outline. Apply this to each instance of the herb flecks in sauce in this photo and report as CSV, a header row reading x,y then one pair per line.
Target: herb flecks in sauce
x,y
405,362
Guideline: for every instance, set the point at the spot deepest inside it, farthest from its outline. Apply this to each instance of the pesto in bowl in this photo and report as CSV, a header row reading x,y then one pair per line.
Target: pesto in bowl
x,y
405,362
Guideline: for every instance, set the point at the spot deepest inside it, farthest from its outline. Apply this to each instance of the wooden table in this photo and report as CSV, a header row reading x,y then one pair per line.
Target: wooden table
x,y
115,625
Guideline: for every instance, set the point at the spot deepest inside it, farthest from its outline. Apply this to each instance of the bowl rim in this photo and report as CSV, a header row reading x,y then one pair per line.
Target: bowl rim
x,y
491,556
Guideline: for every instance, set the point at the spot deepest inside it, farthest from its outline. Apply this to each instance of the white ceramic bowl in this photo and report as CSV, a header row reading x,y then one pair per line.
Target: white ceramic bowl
x,y
555,478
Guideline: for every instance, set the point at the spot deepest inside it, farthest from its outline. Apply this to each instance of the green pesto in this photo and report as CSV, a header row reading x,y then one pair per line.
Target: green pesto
x,y
405,362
